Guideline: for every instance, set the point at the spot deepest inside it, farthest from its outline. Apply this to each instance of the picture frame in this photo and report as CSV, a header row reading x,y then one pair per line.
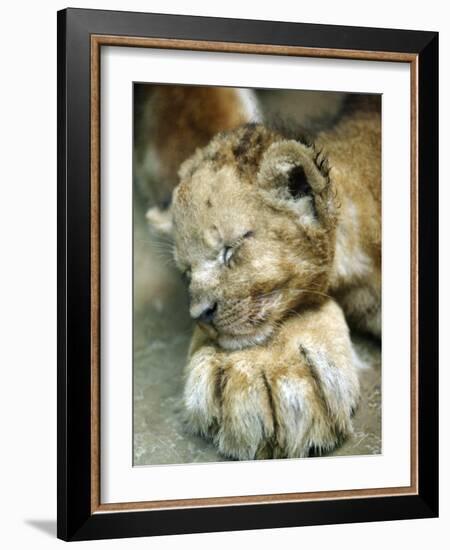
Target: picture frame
x,y
81,36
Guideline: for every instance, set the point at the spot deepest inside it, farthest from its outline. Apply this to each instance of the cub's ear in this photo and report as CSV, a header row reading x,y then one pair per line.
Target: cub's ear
x,y
160,220
293,176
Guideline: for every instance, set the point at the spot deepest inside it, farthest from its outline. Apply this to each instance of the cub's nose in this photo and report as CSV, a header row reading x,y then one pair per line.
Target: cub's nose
x,y
207,315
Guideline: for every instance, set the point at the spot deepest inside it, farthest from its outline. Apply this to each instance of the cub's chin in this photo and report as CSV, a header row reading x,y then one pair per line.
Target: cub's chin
x,y
232,342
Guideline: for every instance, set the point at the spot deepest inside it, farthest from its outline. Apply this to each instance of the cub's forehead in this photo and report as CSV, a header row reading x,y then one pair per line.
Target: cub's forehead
x,y
211,209
208,181
212,197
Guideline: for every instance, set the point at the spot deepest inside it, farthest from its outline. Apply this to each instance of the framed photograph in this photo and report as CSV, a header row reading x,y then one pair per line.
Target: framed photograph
x,y
247,287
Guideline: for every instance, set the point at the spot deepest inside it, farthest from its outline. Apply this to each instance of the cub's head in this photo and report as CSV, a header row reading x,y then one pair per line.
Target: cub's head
x,y
253,222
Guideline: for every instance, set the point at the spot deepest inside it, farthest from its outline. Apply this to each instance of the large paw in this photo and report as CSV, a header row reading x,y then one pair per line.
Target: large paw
x,y
254,408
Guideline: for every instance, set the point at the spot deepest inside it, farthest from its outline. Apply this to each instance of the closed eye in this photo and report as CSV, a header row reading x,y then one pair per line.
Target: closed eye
x,y
228,251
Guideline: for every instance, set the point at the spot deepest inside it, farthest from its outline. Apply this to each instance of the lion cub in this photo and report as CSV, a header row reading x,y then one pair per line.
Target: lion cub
x,y
275,236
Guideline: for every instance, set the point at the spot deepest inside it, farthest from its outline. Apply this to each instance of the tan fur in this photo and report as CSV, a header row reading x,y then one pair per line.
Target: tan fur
x,y
268,233
353,149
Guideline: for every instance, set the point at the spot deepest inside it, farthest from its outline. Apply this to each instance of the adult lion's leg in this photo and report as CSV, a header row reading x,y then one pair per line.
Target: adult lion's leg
x,y
283,399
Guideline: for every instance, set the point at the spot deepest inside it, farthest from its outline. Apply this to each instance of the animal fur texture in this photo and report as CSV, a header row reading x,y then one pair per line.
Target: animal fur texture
x,y
279,240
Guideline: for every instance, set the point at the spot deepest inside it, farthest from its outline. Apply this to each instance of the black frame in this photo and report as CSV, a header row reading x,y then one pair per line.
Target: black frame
x,y
75,521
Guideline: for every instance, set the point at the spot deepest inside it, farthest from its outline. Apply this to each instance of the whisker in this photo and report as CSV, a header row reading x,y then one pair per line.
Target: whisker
x,y
317,292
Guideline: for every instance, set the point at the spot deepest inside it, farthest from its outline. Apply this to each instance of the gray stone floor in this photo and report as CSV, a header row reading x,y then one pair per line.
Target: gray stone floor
x,y
162,330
